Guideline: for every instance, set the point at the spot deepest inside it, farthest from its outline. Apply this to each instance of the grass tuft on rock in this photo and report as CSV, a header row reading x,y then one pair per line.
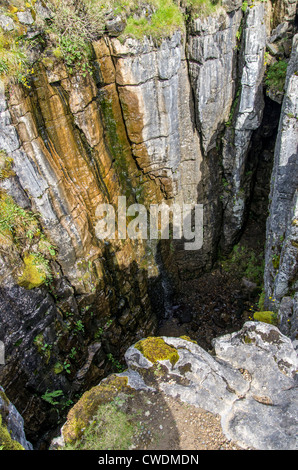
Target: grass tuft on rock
x,y
109,429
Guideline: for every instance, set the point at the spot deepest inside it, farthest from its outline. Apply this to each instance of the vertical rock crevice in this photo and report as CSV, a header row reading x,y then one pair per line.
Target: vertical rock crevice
x,y
247,118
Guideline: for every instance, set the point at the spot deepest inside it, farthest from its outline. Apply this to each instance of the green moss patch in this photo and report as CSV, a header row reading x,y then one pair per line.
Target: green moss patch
x,y
86,408
155,349
34,273
266,317
110,429
6,442
187,338
276,76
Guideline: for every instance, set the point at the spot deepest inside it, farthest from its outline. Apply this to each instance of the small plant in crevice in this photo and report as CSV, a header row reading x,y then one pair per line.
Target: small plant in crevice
x,y
43,348
50,397
245,262
115,363
67,366
233,107
73,353
244,6
275,261
77,54
261,301
79,327
276,76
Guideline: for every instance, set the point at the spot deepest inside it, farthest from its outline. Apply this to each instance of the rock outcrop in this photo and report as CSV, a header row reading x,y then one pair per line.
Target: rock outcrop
x,y
155,97
249,382
212,54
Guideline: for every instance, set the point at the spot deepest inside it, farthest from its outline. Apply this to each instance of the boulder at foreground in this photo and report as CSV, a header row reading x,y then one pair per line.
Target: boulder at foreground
x,y
249,382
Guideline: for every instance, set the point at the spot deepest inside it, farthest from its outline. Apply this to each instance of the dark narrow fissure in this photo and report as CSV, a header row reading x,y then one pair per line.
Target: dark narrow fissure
x,y
223,298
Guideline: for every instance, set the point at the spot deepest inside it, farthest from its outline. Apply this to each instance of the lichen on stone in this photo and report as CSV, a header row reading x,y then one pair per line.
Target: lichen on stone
x,y
156,349
187,338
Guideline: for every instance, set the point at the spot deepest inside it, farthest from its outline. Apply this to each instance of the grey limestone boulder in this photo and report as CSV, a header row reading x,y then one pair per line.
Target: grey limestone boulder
x,y
250,382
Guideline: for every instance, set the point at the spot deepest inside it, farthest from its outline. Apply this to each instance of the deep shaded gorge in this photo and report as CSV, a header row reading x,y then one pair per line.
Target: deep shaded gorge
x,y
80,141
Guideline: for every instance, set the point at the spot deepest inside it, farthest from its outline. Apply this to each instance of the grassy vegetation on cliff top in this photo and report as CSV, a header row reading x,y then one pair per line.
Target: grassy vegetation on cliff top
x,y
71,25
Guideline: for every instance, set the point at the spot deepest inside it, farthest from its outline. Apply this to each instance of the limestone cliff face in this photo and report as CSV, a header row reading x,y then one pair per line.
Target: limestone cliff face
x,y
212,51
249,105
156,100
173,121
282,225
70,152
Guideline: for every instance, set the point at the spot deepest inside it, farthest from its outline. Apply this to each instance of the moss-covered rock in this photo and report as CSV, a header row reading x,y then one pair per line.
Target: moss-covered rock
x,y
82,412
12,434
5,166
6,442
266,317
187,338
155,349
34,273
4,397
58,368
